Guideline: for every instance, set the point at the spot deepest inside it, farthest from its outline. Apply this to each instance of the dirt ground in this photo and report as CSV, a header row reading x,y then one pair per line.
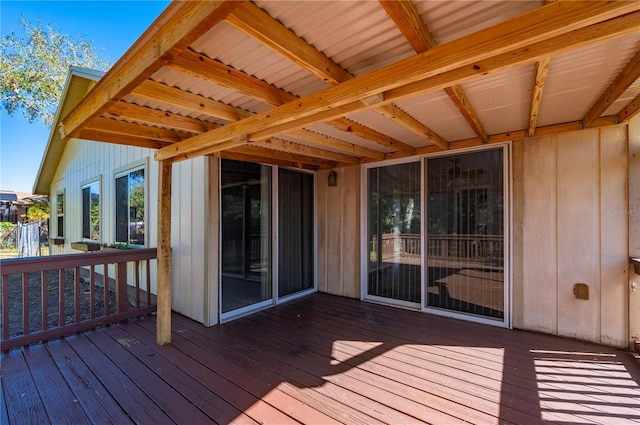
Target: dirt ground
x,y
52,301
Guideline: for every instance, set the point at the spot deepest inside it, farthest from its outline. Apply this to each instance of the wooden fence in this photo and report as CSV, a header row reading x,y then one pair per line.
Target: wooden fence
x,y
49,297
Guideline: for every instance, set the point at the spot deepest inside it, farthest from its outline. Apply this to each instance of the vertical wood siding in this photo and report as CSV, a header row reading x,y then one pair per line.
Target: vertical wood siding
x,y
339,232
573,229
83,160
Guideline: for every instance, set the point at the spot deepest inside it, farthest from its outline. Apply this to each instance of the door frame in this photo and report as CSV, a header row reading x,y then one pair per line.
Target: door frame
x,y
507,164
275,298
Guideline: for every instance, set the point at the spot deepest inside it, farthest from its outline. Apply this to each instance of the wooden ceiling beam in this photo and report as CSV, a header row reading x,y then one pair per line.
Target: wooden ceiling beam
x,y
258,24
119,128
337,144
175,29
310,151
542,68
629,111
203,67
150,89
398,115
119,139
240,156
622,82
265,153
540,33
548,130
190,101
154,117
406,17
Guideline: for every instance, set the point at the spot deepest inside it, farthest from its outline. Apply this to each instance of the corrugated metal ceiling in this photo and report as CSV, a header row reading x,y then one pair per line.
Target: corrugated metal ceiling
x,y
360,37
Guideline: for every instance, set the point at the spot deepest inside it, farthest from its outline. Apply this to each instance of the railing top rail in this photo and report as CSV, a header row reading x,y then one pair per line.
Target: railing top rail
x,y
55,262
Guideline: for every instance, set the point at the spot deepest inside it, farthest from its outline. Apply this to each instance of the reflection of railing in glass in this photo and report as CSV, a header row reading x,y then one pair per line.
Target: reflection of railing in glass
x,y
472,248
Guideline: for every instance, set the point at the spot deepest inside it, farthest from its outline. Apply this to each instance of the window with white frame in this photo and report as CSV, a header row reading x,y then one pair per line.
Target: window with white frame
x,y
91,211
60,214
130,207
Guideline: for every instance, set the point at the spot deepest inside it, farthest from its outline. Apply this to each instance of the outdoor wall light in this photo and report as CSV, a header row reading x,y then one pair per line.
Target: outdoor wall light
x,y
333,178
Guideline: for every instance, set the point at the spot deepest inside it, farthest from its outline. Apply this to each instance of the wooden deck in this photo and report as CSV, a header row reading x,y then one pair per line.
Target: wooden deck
x,y
320,360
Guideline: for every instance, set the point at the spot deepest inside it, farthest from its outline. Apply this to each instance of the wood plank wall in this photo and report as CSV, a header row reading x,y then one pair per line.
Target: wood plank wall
x,y
339,232
570,226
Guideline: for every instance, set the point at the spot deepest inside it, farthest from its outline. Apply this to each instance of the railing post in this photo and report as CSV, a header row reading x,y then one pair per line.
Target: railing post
x,y
121,288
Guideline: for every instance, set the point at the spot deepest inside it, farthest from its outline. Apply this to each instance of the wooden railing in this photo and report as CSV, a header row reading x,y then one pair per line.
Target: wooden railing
x,y
473,248
49,297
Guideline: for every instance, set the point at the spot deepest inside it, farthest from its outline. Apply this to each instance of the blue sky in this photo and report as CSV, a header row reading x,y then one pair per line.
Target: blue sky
x,y
112,26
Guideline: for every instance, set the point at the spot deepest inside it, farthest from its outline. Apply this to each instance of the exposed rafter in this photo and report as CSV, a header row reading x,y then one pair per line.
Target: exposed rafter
x,y
155,48
122,128
216,109
291,147
239,155
201,66
154,117
548,130
625,78
629,111
297,158
542,67
123,139
258,24
411,25
527,38
184,99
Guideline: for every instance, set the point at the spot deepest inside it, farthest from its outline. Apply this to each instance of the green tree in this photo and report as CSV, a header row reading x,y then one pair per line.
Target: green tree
x,y
38,211
34,67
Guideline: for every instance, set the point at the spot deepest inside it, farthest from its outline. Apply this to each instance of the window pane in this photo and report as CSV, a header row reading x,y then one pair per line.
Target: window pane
x,y
122,208
91,211
60,214
130,208
136,207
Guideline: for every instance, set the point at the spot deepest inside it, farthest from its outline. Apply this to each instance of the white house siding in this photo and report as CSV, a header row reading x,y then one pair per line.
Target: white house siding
x,y
189,237
570,226
83,160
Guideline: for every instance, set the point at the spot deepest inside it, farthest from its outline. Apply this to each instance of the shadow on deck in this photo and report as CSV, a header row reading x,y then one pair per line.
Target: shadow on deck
x,y
320,359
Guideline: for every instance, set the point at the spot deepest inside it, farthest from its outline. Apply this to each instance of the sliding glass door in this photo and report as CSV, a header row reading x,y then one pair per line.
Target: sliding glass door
x,y
394,262
451,259
465,233
245,235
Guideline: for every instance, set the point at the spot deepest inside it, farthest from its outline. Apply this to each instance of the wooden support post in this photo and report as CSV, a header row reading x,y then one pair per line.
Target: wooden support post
x,y
634,228
163,331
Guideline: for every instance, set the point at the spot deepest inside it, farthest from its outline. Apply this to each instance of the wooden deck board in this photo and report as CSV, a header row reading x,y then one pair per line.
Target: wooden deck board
x,y
58,399
276,373
20,392
124,391
319,360
96,401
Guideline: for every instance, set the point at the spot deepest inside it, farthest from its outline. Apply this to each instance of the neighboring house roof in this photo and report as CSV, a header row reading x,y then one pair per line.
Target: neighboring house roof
x,y
79,82
327,83
8,196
